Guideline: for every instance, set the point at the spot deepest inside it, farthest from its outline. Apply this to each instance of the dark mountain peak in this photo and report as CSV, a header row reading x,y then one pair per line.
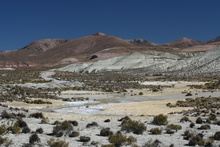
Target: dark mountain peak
x,y
141,42
217,39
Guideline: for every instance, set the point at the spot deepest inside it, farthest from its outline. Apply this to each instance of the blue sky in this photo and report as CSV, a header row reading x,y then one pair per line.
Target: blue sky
x,y
159,21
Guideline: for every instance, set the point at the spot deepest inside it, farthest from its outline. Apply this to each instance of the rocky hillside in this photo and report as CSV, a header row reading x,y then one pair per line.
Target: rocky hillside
x,y
183,42
183,64
146,59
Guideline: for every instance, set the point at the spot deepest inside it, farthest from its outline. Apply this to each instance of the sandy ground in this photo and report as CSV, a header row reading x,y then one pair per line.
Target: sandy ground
x,y
141,108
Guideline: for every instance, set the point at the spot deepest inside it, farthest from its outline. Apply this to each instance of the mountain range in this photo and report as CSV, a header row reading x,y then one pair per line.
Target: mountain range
x,y
101,52
99,46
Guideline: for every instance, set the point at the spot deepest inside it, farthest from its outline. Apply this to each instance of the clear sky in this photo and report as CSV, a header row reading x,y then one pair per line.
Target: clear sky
x,y
159,21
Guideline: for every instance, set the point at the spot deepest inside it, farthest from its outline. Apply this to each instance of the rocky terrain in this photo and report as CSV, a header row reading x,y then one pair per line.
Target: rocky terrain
x,y
99,47
105,91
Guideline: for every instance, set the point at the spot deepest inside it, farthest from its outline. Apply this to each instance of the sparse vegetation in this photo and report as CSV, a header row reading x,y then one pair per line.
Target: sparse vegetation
x,y
37,115
133,126
57,143
34,139
119,139
63,127
156,131
174,127
160,119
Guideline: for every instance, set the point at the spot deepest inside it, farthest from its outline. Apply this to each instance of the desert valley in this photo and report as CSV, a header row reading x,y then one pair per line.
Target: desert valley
x,y
104,91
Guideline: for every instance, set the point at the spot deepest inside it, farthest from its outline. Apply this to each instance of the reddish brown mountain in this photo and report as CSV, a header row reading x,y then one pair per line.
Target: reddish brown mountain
x,y
60,51
183,42
53,52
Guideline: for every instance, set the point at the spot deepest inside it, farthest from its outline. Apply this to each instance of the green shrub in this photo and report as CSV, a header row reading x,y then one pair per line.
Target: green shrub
x,y
5,142
3,129
57,143
212,116
15,128
156,131
160,119
205,142
2,140
119,139
74,134
64,127
133,126
174,127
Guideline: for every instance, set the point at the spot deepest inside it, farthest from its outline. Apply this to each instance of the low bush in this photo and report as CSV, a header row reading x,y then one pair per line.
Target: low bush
x,y
133,126
126,118
74,134
192,125
5,142
26,130
107,120
63,127
205,127
106,132
174,127
151,143
141,93
169,131
160,120
199,120
57,143
195,139
39,130
3,129
217,135
34,139
84,139
7,115
15,128
156,131
119,139
184,119
212,116
21,123
205,142
37,115
44,121
74,122
188,94
93,124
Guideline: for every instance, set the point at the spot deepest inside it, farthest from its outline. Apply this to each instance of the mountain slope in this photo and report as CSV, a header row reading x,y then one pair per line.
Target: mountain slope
x,y
52,52
183,42
144,59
